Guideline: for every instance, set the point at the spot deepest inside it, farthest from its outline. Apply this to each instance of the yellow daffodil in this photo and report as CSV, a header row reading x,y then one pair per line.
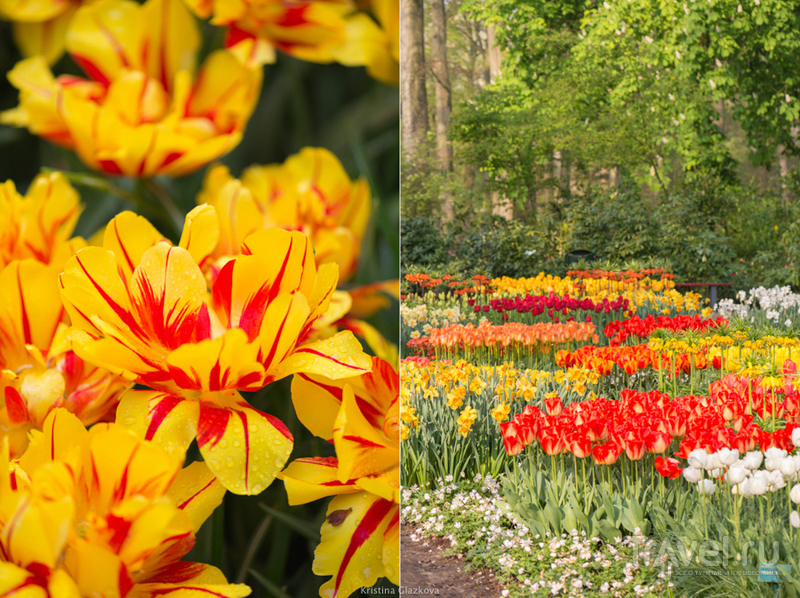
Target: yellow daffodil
x,y
40,224
315,30
466,419
361,416
104,513
142,112
40,372
142,308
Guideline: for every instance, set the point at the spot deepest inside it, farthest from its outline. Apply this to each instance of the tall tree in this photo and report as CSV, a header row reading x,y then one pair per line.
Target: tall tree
x,y
441,83
414,103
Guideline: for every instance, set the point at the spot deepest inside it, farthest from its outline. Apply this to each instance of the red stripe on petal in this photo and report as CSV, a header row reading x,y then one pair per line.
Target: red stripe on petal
x,y
235,36
124,315
15,406
365,529
178,572
212,424
110,167
223,289
125,582
294,17
363,441
131,265
329,358
171,157
336,391
185,503
202,328
119,531
26,325
161,591
159,412
274,421
90,69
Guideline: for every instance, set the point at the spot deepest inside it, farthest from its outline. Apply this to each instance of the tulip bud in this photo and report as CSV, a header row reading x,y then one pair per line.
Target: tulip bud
x,y
795,494
706,487
737,473
698,458
788,467
796,437
692,474
752,460
794,519
728,456
758,486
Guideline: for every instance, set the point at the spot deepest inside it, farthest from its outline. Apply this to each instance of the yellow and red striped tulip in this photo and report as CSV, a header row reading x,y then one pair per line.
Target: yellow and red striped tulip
x,y
315,30
142,112
309,192
103,513
39,27
142,308
40,224
40,372
360,415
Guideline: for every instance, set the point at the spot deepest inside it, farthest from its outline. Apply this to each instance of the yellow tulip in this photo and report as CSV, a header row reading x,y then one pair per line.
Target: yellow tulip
x,y
142,112
315,30
361,416
103,513
142,308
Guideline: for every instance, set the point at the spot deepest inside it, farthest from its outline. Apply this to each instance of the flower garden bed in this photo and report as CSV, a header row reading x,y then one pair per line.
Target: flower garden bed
x,y
662,425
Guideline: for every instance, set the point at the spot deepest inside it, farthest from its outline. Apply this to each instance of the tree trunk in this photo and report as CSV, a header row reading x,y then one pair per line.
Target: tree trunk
x,y
441,84
495,55
413,101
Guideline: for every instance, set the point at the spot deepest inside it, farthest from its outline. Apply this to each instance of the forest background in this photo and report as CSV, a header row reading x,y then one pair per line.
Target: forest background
x,y
650,133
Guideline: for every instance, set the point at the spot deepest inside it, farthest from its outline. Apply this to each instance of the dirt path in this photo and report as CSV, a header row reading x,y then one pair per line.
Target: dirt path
x,y
426,571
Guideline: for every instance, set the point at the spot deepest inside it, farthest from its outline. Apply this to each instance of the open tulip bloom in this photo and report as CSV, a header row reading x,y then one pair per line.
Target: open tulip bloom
x,y
103,513
142,112
143,309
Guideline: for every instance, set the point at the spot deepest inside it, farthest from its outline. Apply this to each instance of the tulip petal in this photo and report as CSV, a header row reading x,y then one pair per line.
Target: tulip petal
x,y
339,356
45,37
168,420
352,545
317,399
129,236
294,269
29,313
167,292
196,492
172,42
225,362
200,233
312,478
61,433
106,37
362,449
16,582
242,446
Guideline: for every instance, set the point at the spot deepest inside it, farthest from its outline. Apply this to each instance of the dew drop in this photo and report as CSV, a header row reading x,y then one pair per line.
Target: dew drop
x,y
278,462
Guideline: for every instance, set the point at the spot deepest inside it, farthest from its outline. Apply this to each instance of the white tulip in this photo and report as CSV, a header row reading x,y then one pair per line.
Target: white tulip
x,y
758,486
727,456
717,472
752,460
744,488
706,487
698,458
796,437
714,462
692,474
737,473
776,480
774,452
795,494
788,467
794,519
